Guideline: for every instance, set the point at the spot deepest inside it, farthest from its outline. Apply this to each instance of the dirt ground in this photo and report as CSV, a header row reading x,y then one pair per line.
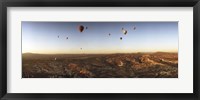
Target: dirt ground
x,y
133,65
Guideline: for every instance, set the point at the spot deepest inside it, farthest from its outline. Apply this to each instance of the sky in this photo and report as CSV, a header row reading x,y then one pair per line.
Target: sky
x,y
42,37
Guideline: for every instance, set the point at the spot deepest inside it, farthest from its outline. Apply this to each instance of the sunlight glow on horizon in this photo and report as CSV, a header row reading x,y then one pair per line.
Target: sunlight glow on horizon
x,y
98,52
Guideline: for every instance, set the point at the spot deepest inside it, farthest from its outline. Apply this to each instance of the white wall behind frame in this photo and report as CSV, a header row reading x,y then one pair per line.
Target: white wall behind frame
x,y
183,84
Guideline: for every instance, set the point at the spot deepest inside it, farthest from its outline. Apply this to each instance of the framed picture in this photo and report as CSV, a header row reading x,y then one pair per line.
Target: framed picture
x,y
64,49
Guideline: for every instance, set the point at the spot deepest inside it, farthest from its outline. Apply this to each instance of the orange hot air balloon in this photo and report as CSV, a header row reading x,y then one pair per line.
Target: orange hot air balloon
x,y
81,28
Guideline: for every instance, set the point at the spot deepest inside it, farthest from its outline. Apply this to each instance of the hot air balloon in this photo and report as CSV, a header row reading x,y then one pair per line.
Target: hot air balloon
x,y
58,36
81,28
134,28
124,31
120,38
86,27
109,34
66,37
81,48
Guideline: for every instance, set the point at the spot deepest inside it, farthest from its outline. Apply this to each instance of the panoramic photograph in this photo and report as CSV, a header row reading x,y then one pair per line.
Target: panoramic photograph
x,y
99,49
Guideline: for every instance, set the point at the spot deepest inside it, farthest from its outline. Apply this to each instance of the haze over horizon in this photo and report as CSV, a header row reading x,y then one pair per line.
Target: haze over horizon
x,y
51,37
99,53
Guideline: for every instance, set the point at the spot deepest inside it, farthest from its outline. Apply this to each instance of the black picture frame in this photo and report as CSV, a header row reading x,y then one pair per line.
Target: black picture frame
x,y
98,3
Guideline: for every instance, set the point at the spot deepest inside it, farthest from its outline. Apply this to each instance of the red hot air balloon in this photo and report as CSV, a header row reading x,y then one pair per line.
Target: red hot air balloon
x,y
81,28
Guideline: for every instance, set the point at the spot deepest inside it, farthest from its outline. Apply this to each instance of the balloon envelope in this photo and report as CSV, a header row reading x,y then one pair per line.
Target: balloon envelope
x,y
124,31
81,28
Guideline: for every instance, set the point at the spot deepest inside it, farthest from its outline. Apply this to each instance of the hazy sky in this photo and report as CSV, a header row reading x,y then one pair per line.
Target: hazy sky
x,y
42,37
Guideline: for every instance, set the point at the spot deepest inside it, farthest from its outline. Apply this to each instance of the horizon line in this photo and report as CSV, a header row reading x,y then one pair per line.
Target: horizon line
x,y
104,53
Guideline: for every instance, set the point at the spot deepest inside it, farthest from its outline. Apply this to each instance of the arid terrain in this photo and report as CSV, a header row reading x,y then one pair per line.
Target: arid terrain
x,y
132,65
